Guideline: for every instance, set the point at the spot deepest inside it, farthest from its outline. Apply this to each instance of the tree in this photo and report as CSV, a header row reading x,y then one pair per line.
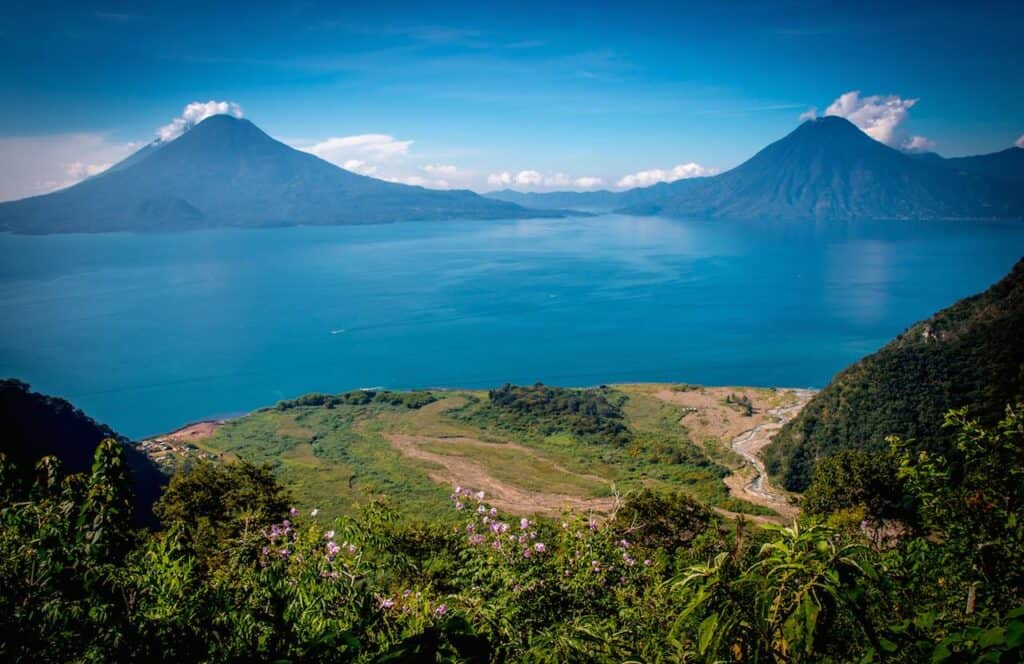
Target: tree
x,y
214,504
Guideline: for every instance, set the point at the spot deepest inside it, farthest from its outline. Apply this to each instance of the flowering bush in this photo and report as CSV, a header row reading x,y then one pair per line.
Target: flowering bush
x,y
236,574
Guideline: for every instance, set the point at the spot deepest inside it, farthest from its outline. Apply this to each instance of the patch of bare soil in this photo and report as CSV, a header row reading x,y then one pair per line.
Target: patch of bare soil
x,y
454,470
710,417
193,432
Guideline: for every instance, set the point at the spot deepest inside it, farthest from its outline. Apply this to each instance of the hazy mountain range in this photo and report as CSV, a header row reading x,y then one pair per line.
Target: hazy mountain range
x,y
827,168
227,172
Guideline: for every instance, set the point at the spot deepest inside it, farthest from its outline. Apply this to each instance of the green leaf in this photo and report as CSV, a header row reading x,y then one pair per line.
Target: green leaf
x,y
1015,634
941,653
706,632
992,637
887,645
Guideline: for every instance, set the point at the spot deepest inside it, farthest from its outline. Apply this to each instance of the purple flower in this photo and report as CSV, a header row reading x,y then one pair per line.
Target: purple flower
x,y
469,527
479,495
539,547
385,602
476,539
647,562
458,505
329,534
624,544
524,524
293,511
441,610
332,550
526,553
493,511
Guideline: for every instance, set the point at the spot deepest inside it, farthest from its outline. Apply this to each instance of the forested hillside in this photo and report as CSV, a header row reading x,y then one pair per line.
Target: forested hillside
x,y
968,355
34,425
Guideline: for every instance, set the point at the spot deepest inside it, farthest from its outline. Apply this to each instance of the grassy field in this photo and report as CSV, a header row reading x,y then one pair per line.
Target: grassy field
x,y
538,451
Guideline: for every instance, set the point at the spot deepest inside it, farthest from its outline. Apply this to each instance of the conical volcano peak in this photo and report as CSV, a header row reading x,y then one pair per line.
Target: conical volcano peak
x,y
828,127
223,125
225,171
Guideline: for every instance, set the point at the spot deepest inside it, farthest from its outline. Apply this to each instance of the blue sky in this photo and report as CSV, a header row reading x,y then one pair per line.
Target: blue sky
x,y
477,94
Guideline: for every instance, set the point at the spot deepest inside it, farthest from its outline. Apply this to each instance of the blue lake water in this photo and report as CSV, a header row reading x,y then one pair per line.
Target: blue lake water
x,y
147,332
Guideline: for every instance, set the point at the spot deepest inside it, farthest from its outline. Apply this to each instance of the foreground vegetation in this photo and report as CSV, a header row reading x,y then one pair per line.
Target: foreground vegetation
x,y
235,573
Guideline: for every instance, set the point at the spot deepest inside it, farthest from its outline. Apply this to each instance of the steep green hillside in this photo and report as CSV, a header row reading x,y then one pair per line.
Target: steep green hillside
x,y
971,354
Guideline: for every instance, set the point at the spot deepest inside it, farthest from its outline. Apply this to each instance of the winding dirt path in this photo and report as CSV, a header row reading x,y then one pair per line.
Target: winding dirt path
x,y
749,445
711,419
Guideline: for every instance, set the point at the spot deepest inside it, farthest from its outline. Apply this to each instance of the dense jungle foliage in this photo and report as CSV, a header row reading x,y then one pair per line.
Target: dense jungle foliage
x,y
592,415
970,354
235,574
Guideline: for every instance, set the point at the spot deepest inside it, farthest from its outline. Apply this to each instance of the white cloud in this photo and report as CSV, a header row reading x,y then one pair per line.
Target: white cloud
x,y
359,166
79,170
33,165
195,113
918,144
588,182
441,170
1020,141
532,179
503,179
557,180
366,148
528,178
680,172
810,114
880,117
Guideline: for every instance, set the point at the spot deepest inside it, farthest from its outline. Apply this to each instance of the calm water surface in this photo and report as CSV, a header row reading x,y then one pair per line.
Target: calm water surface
x,y
147,332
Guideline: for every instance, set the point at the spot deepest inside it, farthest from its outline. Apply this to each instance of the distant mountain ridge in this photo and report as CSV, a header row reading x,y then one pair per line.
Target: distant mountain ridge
x,y
225,171
1006,164
827,169
969,354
